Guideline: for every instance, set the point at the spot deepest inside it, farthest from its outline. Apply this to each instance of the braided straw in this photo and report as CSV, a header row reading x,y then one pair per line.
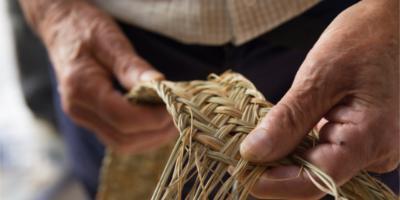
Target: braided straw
x,y
213,117
127,177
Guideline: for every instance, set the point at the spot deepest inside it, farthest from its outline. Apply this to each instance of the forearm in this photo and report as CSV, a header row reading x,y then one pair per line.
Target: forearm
x,y
39,13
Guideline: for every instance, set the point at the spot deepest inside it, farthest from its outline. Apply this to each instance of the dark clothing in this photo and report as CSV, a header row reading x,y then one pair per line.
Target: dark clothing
x,y
269,61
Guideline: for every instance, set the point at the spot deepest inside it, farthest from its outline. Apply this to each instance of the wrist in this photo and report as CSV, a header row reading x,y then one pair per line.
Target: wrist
x,y
55,14
43,14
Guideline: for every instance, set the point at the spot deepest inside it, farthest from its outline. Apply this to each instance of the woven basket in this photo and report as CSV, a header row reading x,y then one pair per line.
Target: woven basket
x,y
213,117
128,177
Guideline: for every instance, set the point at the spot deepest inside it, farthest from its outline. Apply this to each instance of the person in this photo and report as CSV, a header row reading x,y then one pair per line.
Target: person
x,y
331,63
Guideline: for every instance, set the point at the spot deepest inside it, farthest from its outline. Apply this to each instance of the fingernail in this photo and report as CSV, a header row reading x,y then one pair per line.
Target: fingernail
x,y
253,147
151,75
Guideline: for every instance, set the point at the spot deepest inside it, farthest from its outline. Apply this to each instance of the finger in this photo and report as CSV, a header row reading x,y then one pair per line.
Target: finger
x,y
342,141
346,113
282,129
276,182
115,52
384,165
99,95
321,123
339,156
148,141
124,116
91,121
124,143
380,159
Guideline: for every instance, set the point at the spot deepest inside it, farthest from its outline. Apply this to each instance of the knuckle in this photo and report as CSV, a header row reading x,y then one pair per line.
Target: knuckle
x,y
322,78
324,62
71,84
123,67
130,64
74,112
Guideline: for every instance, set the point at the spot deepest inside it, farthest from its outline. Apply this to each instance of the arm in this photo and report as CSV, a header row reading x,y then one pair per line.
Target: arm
x,y
36,11
349,82
87,50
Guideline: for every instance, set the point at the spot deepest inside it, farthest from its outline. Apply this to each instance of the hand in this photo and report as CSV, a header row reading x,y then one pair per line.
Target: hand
x,y
88,50
350,83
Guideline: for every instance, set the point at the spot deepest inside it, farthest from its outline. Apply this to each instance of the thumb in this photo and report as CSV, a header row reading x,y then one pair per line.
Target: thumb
x,y
283,128
115,51
132,69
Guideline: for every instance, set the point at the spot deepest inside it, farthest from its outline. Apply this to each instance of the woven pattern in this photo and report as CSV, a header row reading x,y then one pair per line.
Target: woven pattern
x,y
213,117
127,177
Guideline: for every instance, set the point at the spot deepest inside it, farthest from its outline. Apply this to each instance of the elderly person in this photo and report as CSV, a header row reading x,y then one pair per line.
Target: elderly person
x,y
343,77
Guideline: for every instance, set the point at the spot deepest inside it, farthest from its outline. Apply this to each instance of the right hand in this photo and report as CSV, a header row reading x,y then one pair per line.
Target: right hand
x,y
88,50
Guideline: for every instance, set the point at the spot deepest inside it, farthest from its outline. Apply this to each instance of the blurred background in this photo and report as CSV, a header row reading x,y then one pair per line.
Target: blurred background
x,y
33,164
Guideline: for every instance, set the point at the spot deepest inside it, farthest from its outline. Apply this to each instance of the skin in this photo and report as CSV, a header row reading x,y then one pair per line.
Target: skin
x,y
349,83
88,50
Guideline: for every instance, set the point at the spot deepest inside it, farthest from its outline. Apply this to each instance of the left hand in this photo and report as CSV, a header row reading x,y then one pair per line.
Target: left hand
x,y
350,80
88,51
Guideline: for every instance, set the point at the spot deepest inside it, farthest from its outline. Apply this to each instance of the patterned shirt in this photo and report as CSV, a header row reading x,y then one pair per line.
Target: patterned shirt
x,y
208,22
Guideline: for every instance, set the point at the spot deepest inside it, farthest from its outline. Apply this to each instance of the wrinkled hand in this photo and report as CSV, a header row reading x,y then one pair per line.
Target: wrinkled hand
x,y
88,50
350,83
